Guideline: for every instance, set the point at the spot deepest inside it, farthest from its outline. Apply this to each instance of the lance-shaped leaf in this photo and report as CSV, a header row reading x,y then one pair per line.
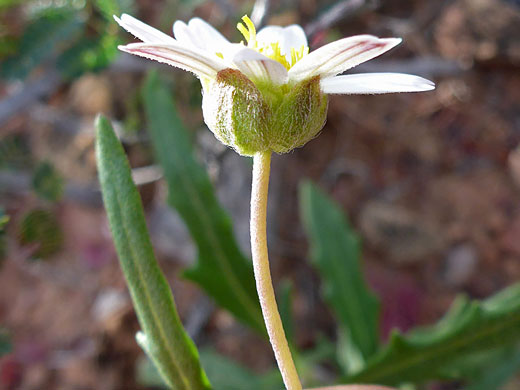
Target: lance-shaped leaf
x,y
335,252
221,269
164,338
470,327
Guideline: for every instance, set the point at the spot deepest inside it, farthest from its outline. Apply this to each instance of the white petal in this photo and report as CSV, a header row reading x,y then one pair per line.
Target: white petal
x,y
372,83
289,37
178,55
338,56
142,31
200,34
257,66
207,31
182,33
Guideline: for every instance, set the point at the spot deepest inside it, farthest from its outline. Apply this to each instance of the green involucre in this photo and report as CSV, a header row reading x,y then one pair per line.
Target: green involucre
x,y
260,116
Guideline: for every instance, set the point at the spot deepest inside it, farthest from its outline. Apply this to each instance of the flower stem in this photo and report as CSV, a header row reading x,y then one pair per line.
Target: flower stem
x,y
264,284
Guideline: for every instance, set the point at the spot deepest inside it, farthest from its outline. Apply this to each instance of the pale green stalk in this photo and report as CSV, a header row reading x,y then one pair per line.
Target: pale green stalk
x,y
264,284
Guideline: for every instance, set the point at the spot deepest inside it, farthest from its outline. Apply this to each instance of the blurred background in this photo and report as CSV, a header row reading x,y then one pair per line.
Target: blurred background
x,y
430,181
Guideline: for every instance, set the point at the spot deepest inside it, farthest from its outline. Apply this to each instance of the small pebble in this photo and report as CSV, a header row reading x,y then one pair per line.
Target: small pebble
x,y
461,263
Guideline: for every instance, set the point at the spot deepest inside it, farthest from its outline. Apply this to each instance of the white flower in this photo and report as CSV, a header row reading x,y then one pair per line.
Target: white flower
x,y
270,93
275,53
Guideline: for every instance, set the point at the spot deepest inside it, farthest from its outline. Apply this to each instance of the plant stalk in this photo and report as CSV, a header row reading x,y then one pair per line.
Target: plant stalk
x,y
264,284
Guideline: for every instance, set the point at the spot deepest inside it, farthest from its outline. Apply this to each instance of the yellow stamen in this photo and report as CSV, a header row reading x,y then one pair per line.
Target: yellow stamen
x,y
278,56
297,55
243,30
248,30
271,50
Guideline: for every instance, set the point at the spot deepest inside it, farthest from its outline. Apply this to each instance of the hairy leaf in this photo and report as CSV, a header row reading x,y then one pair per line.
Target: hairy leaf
x,y
164,339
221,269
335,252
470,327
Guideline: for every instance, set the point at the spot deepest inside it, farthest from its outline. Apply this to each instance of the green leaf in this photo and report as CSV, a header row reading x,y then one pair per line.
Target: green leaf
x,y
285,308
308,362
226,374
497,372
88,54
42,39
470,327
40,229
97,48
15,152
47,182
221,269
164,339
470,366
335,252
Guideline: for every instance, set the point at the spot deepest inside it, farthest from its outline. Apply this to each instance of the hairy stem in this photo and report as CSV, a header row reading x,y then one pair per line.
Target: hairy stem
x,y
264,284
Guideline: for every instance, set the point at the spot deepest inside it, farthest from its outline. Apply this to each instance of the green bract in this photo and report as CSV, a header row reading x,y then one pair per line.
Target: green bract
x,y
262,116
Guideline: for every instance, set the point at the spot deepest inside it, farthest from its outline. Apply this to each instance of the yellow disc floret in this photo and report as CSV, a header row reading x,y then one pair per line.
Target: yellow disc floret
x,y
271,50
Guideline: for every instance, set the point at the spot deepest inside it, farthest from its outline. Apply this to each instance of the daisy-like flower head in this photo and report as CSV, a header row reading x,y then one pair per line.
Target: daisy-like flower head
x,y
267,92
